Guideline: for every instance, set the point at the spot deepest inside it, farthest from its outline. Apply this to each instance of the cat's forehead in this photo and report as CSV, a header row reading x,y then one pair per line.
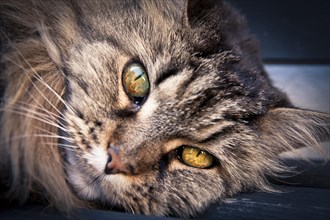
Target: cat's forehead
x,y
113,33
133,27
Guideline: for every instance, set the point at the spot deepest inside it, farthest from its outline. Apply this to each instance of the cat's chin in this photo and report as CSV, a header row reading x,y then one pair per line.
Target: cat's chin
x,y
79,183
90,183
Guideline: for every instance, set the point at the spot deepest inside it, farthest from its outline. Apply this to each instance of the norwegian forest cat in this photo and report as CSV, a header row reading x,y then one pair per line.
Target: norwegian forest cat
x,y
154,107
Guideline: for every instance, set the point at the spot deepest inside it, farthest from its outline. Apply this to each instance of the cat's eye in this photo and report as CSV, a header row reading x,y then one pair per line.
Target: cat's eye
x,y
195,157
136,82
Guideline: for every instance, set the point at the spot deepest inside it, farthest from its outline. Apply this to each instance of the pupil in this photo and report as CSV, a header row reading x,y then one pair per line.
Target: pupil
x,y
136,83
139,76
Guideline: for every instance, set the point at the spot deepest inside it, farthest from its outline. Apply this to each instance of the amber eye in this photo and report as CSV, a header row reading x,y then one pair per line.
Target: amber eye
x,y
136,82
195,157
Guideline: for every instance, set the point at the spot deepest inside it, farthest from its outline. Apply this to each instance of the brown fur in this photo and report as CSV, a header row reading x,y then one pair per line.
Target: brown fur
x,y
63,105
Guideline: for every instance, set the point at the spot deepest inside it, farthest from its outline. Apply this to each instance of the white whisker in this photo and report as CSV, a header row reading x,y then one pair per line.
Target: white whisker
x,y
64,146
39,78
47,132
23,113
54,136
23,109
41,108
35,135
36,87
45,116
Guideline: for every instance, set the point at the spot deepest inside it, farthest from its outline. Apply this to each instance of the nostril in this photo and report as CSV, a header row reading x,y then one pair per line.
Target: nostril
x,y
107,170
109,159
111,170
115,164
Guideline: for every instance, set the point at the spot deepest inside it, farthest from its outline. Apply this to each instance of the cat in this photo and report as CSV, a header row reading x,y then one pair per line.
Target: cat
x,y
152,107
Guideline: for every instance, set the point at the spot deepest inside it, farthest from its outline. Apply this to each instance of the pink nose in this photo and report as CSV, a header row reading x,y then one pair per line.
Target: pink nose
x,y
115,164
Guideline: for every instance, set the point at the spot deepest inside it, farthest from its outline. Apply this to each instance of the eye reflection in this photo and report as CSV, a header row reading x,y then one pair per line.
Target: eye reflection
x,y
136,83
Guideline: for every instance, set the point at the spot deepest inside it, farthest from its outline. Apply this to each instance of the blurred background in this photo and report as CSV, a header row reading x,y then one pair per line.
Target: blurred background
x,y
295,45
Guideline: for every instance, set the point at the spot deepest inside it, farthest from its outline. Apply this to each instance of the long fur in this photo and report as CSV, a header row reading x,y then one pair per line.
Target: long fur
x,y
41,101
30,111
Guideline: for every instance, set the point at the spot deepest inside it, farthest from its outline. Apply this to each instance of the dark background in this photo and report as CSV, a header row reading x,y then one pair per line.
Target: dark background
x,y
294,37
289,31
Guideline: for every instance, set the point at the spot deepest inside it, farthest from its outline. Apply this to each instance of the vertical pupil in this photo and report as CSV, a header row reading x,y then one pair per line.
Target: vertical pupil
x,y
138,73
196,157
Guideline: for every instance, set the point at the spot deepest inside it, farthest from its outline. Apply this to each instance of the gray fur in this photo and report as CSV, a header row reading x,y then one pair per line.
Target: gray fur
x,y
63,63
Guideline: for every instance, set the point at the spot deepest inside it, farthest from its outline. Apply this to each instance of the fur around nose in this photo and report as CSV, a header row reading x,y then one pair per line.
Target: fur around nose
x,y
115,165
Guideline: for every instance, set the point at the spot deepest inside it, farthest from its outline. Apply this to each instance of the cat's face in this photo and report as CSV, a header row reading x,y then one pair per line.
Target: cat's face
x,y
172,138
156,107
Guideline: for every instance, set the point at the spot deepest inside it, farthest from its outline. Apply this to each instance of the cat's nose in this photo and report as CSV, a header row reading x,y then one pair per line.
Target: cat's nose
x,y
115,164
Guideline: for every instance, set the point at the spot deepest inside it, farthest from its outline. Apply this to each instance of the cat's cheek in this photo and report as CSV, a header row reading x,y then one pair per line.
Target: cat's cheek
x,y
79,183
97,158
117,182
148,109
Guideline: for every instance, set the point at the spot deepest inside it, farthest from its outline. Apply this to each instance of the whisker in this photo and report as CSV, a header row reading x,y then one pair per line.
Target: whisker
x,y
34,85
54,136
41,108
38,77
19,112
29,110
18,137
52,133
46,131
46,116
64,146
132,210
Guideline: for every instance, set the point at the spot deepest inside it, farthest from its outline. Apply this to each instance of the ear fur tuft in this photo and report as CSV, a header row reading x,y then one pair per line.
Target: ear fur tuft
x,y
286,129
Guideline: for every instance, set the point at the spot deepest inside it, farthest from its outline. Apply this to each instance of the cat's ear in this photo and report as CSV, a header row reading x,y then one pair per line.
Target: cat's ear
x,y
202,20
286,128
213,26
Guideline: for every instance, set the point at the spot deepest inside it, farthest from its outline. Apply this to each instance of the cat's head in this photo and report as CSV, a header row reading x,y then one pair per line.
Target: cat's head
x,y
165,106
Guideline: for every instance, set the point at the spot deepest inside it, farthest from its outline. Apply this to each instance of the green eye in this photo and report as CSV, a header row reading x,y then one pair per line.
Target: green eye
x,y
136,82
195,157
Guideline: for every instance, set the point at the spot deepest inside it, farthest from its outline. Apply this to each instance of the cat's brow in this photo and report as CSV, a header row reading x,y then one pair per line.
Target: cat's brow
x,y
222,134
166,74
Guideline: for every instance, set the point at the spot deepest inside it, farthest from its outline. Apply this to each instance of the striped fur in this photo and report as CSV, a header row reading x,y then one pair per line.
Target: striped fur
x,y
63,105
